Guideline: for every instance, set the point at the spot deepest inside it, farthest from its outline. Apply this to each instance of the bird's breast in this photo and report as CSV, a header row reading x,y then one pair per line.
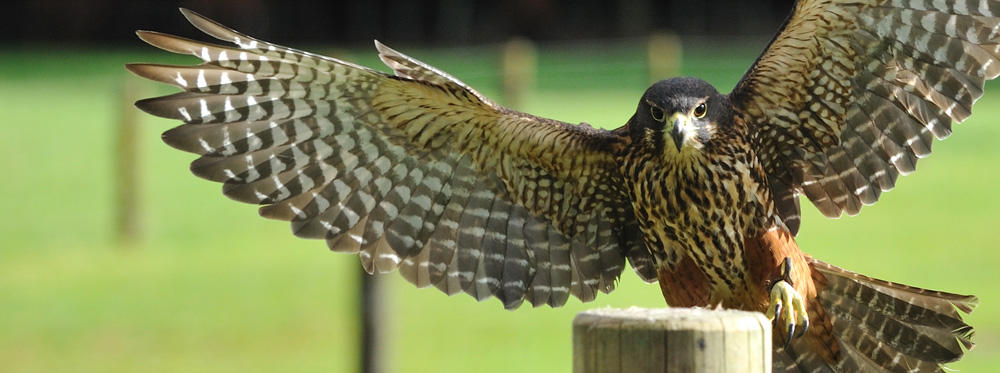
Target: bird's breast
x,y
698,212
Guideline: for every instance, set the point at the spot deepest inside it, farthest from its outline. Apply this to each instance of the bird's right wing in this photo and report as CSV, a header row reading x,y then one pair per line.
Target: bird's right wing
x,y
416,172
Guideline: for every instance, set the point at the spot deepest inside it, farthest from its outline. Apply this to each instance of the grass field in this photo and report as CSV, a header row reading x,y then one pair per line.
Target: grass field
x,y
213,287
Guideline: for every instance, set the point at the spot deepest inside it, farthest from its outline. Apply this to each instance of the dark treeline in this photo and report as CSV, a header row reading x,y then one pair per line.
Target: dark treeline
x,y
449,22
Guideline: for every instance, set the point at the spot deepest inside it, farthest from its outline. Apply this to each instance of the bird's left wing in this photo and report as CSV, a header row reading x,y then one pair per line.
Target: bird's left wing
x,y
416,172
850,93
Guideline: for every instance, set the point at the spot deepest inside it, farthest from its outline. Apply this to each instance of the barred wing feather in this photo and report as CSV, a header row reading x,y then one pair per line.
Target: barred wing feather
x,y
415,172
850,94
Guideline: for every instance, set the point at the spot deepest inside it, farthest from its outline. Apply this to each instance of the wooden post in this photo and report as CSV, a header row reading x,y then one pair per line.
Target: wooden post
x,y
373,320
671,340
519,62
664,54
128,215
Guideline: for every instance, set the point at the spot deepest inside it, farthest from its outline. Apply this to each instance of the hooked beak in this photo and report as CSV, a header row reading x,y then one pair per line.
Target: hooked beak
x,y
680,122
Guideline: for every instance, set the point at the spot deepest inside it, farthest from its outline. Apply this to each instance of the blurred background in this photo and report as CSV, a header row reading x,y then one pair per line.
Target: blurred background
x,y
114,258
437,22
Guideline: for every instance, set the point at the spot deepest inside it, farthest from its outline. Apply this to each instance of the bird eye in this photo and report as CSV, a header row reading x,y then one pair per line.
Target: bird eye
x,y
657,113
700,110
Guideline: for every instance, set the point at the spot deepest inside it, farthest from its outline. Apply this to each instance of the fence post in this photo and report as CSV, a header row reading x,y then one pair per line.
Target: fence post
x,y
671,340
128,216
374,323
518,67
664,54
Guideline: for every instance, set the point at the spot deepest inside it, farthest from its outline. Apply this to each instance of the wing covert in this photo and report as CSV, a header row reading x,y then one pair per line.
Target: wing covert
x,y
415,172
850,94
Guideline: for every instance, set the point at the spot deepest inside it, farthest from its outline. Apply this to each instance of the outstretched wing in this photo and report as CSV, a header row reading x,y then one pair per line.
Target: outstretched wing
x,y
850,94
415,172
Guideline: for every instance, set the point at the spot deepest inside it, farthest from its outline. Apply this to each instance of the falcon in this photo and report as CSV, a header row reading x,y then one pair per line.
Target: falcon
x,y
417,172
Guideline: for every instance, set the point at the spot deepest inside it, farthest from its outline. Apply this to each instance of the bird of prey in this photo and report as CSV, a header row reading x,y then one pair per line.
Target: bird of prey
x,y
699,190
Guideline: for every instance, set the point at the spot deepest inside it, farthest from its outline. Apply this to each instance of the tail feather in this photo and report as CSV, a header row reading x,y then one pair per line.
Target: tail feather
x,y
883,326
921,340
864,351
939,303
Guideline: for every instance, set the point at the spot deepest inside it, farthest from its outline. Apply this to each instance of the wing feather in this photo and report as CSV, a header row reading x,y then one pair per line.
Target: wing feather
x,y
415,172
850,94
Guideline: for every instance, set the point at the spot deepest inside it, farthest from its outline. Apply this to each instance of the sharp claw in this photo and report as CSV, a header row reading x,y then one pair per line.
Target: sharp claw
x,y
791,331
805,326
786,271
777,314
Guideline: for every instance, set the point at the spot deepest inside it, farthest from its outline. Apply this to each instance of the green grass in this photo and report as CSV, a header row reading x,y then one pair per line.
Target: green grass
x,y
213,287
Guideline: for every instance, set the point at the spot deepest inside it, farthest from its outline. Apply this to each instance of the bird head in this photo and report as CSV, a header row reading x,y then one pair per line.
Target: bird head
x,y
680,115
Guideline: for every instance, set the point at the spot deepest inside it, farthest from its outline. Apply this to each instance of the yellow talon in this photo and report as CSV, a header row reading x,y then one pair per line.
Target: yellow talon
x,y
787,305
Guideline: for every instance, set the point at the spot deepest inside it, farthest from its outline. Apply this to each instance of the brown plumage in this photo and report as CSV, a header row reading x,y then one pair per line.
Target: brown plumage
x,y
420,173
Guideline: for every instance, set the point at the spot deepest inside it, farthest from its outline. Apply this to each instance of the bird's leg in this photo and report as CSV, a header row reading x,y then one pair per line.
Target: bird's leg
x,y
787,304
